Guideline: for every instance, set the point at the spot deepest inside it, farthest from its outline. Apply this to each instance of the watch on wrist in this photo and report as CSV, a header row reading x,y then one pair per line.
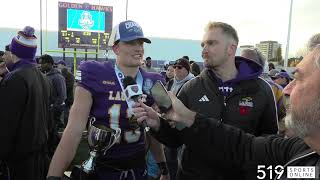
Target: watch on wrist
x,y
163,168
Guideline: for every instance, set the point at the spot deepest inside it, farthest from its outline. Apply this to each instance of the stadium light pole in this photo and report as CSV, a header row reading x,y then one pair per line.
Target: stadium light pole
x,y
288,38
40,27
126,9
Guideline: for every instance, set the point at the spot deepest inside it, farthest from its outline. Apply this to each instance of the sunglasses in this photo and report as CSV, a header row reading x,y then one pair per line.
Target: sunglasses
x,y
179,67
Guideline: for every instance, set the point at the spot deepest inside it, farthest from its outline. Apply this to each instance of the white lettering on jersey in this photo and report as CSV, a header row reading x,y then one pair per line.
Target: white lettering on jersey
x,y
78,75
116,96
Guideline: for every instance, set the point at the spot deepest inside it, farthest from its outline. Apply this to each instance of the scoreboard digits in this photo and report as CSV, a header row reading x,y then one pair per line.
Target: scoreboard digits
x,y
87,33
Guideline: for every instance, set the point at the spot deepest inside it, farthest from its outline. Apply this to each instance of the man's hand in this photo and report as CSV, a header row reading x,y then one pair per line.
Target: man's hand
x,y
3,68
165,177
145,113
179,112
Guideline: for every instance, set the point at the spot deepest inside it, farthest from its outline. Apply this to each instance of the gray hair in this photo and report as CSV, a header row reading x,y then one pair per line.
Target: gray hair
x,y
314,47
315,53
304,121
313,41
255,55
316,50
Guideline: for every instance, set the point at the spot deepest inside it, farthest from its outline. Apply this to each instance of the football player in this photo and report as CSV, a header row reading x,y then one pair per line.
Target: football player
x,y
99,94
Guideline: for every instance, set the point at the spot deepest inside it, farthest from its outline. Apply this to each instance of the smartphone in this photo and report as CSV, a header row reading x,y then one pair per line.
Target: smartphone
x,y
161,97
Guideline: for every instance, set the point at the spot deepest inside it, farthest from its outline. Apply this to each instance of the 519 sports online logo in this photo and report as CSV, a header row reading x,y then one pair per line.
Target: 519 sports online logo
x,y
290,172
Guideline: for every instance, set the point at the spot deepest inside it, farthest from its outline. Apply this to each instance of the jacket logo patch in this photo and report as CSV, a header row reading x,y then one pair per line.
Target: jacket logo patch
x,y
147,85
247,101
78,75
245,104
204,98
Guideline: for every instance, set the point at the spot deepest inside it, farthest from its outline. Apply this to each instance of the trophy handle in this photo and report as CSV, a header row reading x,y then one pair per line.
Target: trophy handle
x,y
91,121
118,133
116,136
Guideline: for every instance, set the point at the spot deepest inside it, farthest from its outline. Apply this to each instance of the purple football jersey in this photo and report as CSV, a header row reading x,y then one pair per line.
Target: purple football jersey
x,y
110,107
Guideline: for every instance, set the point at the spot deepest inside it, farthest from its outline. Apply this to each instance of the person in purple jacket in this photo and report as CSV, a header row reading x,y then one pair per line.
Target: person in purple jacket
x,y
228,89
99,94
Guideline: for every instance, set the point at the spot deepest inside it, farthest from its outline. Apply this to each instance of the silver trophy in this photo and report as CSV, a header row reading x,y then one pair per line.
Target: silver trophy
x,y
100,139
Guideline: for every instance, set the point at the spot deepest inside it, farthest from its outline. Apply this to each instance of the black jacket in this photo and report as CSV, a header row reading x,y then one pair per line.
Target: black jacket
x,y
254,96
69,85
260,117
58,85
24,115
232,149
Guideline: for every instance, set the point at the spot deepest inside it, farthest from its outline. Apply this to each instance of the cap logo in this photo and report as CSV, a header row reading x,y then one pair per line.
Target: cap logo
x,y
131,25
135,89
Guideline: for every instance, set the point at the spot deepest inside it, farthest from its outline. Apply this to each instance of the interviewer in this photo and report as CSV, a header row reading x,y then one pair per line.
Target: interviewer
x,y
232,148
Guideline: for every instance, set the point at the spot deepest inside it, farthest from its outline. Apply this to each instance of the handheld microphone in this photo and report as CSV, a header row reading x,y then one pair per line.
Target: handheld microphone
x,y
131,89
133,93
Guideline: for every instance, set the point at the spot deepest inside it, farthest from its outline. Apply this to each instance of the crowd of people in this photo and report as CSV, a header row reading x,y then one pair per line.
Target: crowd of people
x,y
226,117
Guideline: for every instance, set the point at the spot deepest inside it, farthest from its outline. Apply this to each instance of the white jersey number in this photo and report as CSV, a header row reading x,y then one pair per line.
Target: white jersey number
x,y
130,136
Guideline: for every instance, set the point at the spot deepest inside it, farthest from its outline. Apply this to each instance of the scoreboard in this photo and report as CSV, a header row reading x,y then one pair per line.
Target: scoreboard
x,y
84,26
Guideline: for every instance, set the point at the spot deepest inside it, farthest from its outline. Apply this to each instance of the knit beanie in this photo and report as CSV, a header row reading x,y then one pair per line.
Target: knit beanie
x,y
24,45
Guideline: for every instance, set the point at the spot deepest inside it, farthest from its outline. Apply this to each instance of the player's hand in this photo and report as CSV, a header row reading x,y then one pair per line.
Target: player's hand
x,y
144,98
145,113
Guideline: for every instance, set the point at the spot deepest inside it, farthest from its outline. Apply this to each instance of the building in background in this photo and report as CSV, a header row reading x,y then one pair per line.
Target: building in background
x,y
269,49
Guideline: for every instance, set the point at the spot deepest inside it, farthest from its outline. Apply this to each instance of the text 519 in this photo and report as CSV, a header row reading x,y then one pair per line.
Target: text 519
x,y
269,172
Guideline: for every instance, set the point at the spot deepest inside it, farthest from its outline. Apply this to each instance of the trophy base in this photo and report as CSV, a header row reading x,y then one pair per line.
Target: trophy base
x,y
78,174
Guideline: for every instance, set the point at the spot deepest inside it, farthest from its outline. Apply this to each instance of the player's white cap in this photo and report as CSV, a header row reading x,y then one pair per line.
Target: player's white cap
x,y
127,31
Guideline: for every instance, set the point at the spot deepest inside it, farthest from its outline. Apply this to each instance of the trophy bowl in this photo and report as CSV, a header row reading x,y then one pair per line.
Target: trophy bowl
x,y
100,139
